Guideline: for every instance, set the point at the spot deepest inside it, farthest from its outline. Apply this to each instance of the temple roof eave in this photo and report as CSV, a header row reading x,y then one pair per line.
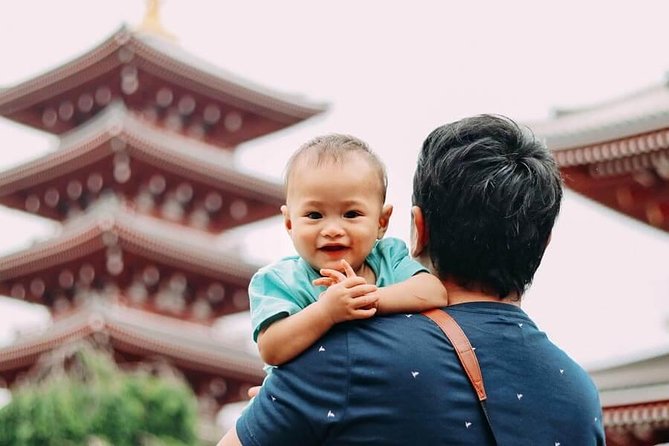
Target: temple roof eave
x,y
174,62
162,51
633,380
634,395
145,236
641,112
183,342
193,159
10,95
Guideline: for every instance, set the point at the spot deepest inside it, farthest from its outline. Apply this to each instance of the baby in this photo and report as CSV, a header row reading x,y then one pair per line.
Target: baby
x,y
336,216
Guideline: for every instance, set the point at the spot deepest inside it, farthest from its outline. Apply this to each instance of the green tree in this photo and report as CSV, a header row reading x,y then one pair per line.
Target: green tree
x,y
81,398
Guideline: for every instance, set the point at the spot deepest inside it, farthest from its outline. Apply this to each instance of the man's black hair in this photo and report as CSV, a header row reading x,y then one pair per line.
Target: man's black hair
x,y
490,193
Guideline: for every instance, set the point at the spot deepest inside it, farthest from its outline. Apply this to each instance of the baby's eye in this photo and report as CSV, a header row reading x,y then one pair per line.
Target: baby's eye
x,y
314,215
352,214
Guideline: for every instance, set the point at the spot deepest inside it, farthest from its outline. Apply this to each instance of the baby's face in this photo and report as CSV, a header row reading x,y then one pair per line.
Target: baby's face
x,y
335,211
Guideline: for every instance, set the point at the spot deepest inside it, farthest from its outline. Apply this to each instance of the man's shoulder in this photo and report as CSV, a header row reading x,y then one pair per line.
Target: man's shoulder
x,y
386,334
379,329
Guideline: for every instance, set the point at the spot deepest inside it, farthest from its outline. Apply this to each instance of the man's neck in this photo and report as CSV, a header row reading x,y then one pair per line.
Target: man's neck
x,y
459,295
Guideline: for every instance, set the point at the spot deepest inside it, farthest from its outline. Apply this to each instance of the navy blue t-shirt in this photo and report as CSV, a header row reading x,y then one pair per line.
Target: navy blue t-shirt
x,y
396,380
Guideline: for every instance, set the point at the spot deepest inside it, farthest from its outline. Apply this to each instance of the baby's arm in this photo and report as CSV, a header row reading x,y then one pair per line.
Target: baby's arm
x,y
420,292
288,337
423,291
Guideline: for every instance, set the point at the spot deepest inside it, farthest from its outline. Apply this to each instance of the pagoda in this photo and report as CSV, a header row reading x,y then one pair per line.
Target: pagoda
x,y
617,153
144,184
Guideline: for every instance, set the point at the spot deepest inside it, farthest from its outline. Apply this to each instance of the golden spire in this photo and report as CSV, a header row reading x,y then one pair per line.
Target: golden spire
x,y
151,22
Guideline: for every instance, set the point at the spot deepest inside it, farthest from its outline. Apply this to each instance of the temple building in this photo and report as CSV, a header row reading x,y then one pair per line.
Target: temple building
x,y
617,153
144,184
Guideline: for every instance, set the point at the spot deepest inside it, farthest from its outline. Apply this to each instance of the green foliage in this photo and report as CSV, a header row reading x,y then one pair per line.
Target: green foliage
x,y
94,403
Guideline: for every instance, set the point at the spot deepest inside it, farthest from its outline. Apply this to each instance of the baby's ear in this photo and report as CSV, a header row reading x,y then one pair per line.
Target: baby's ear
x,y
286,218
384,220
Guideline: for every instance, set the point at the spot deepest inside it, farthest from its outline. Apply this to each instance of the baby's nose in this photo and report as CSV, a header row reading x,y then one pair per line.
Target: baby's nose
x,y
332,229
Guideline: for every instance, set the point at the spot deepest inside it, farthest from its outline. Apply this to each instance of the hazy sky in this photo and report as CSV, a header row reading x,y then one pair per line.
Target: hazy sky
x,y
391,72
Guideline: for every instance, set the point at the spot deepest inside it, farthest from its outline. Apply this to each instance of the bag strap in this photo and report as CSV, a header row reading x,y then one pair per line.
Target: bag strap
x,y
465,354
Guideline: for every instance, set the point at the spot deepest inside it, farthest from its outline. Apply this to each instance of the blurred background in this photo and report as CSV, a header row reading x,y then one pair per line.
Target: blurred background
x,y
389,73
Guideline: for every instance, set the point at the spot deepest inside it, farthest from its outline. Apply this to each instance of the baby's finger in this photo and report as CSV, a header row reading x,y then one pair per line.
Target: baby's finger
x,y
348,269
253,391
323,281
363,289
333,274
367,300
374,305
363,314
351,282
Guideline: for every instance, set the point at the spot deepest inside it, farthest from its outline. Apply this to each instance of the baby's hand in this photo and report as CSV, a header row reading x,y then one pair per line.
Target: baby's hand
x,y
332,276
348,296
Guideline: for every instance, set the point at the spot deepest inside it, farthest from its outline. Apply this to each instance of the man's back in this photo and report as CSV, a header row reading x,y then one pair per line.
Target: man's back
x,y
396,380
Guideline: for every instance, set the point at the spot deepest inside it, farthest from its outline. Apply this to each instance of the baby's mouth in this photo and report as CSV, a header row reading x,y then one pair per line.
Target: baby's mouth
x,y
333,248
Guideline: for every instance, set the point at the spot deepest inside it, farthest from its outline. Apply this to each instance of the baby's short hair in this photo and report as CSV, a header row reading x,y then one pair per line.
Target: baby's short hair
x,y
335,148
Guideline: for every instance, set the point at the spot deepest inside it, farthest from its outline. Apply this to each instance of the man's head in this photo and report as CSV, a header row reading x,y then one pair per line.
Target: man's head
x,y
488,193
335,193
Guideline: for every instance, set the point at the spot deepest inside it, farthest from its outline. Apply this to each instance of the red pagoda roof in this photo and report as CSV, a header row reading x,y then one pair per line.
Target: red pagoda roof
x,y
640,424
629,381
635,396
135,336
138,260
635,114
159,79
617,152
144,236
117,144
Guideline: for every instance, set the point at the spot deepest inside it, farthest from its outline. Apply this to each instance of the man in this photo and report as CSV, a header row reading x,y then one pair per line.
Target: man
x,y
486,195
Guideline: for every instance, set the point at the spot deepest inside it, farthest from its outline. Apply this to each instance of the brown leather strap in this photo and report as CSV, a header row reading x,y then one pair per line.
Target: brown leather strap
x,y
462,348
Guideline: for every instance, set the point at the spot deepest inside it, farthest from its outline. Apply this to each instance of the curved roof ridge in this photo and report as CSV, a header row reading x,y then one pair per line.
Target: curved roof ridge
x,y
110,119
629,359
89,229
198,335
88,57
151,332
640,112
117,121
87,232
175,141
191,62
208,160
164,238
180,62
622,98
71,146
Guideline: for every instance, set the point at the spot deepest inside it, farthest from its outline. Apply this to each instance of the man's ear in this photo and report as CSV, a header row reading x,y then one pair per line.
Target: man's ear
x,y
286,218
384,220
419,237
